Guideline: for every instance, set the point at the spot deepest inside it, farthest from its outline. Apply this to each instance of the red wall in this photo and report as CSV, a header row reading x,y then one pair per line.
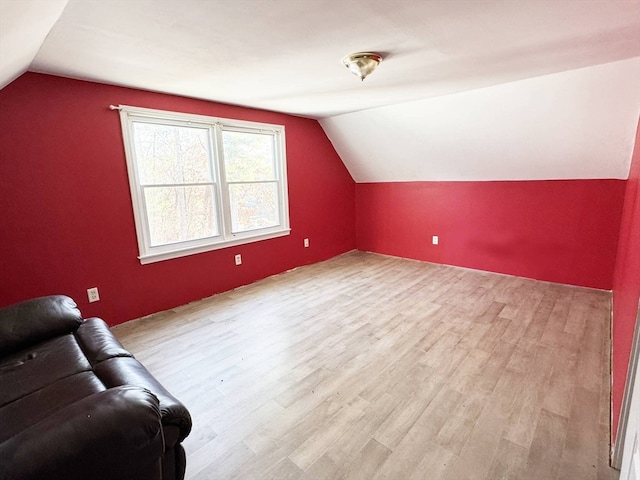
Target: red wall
x,y
559,231
66,218
626,283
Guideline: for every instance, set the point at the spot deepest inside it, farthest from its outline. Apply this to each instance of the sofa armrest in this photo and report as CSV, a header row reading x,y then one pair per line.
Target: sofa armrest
x,y
129,371
36,320
110,435
115,366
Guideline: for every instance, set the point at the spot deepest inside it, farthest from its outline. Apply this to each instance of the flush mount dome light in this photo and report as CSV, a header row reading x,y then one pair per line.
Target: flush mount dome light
x,y
362,63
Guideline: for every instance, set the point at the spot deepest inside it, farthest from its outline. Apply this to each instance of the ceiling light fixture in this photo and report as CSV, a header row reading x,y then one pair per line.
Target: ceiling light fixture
x,y
362,63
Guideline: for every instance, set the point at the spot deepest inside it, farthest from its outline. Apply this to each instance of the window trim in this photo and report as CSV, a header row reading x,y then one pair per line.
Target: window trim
x,y
216,125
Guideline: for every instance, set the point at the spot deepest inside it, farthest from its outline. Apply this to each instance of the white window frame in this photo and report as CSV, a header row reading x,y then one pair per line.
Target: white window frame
x,y
215,126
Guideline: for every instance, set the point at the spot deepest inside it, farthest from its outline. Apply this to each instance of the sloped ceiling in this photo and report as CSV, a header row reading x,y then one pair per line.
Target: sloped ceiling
x,y
479,89
23,27
569,125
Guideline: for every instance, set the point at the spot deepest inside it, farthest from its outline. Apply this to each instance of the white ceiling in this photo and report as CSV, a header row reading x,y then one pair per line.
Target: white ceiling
x,y
284,55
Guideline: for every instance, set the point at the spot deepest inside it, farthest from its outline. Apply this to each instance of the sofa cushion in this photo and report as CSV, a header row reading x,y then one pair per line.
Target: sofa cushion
x,y
39,366
33,321
38,405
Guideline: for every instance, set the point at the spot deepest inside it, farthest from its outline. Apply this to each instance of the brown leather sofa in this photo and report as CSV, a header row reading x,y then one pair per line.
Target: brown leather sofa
x,y
75,405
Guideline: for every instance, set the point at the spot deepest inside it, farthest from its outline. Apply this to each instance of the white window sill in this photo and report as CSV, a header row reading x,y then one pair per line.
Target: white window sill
x,y
178,252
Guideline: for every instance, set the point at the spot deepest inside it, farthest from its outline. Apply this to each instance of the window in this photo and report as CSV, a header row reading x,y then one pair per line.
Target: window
x,y
201,183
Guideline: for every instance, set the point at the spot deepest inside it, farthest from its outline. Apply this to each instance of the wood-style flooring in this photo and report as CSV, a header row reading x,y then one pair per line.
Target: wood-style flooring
x,y
373,367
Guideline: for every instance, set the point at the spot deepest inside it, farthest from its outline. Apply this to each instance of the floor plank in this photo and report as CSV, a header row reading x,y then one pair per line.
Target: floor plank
x,y
368,366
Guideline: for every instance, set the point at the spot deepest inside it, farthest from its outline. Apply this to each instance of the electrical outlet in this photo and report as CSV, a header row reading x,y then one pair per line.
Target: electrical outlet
x,y
93,295
434,240
306,243
238,259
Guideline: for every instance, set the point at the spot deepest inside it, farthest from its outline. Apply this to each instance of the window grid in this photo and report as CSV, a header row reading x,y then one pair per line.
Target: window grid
x,y
264,215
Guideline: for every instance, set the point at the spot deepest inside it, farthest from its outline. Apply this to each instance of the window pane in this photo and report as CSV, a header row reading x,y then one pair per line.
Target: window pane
x,y
248,157
178,214
167,154
253,206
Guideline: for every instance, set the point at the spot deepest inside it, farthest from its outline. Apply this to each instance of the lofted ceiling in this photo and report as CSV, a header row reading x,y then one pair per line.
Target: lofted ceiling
x,y
467,90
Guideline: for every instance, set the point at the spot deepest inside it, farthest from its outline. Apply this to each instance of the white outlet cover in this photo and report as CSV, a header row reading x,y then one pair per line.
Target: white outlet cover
x,y
93,295
238,259
306,242
434,240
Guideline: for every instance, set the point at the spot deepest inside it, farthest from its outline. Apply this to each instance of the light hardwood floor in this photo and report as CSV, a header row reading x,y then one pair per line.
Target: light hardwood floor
x,y
373,367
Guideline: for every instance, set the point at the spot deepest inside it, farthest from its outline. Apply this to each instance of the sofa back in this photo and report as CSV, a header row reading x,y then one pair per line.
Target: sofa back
x,y
34,321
